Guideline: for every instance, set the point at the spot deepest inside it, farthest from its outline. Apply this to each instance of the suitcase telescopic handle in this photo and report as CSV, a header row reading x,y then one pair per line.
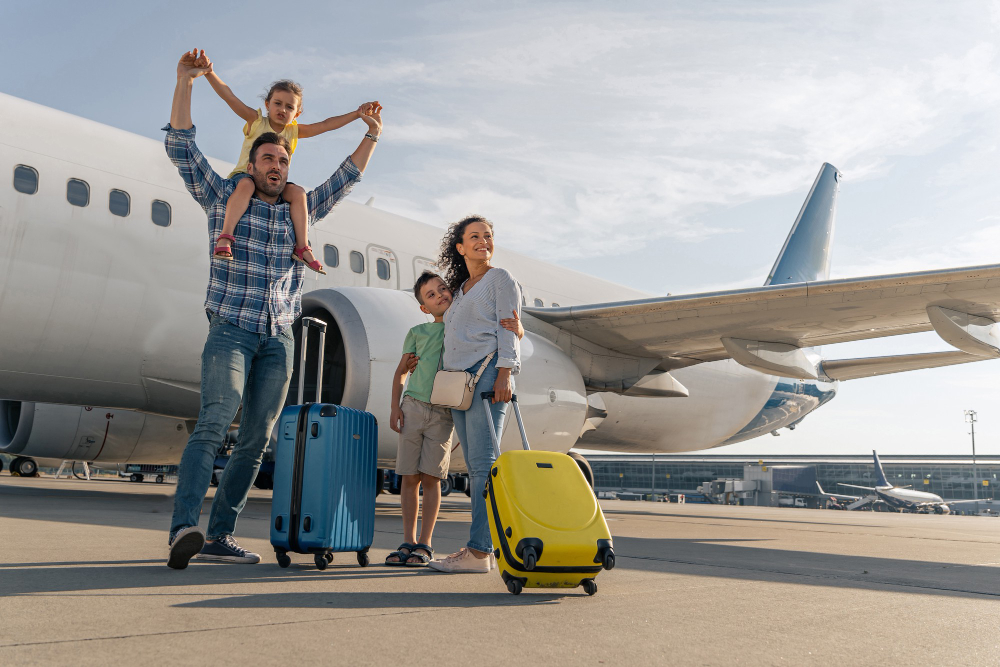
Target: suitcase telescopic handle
x,y
311,323
486,396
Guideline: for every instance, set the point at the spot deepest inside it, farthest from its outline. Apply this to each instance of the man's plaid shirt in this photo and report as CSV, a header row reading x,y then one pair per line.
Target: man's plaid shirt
x,y
261,280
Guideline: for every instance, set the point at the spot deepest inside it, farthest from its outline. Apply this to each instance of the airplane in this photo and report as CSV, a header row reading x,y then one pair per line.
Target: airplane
x,y
104,259
902,498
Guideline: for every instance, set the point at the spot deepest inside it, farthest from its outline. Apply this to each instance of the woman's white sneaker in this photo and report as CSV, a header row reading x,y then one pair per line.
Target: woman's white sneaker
x,y
462,562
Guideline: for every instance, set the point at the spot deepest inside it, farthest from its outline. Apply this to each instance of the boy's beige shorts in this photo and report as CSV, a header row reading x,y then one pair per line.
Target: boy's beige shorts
x,y
425,440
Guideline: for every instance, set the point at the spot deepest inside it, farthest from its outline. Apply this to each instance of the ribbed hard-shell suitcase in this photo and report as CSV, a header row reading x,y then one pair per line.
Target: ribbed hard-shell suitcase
x,y
324,475
548,529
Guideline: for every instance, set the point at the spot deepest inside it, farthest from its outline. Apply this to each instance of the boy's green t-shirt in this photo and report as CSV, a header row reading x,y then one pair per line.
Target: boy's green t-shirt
x,y
427,342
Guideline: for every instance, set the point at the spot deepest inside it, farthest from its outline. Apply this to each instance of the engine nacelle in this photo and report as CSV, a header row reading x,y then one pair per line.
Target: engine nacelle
x,y
364,342
73,432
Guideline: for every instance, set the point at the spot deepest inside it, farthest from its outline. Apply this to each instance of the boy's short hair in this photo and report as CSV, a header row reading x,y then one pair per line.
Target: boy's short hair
x,y
268,138
424,278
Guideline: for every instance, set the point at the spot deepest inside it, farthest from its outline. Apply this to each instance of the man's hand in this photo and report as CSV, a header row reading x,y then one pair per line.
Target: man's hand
x,y
371,113
396,419
193,64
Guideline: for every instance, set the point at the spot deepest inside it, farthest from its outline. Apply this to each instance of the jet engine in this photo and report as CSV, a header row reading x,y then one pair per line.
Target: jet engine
x,y
364,339
45,430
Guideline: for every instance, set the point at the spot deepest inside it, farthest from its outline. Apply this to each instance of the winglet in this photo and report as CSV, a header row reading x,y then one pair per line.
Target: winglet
x,y
805,257
880,474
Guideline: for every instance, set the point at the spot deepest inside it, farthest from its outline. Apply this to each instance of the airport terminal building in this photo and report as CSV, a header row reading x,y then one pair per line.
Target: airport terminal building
x,y
951,477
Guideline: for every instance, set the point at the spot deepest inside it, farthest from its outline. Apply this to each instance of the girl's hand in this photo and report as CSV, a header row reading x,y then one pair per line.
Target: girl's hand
x,y
193,64
372,115
513,324
396,419
503,388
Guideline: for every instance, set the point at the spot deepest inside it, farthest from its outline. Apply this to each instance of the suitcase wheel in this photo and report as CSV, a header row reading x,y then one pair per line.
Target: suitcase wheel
x,y
321,561
363,559
283,559
515,586
329,558
589,586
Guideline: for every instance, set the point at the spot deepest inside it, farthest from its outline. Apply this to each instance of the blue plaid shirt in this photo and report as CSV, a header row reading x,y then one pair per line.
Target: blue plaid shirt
x,y
261,281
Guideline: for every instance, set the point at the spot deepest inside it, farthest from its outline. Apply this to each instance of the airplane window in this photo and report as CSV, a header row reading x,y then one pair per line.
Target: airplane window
x,y
382,269
161,213
539,303
77,192
331,256
119,203
25,179
555,305
357,262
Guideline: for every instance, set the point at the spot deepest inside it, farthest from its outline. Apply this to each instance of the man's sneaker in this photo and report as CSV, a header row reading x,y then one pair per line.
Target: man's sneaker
x,y
227,550
463,561
185,543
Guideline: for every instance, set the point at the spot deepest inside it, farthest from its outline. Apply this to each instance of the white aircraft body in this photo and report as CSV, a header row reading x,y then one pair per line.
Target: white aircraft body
x,y
897,497
104,259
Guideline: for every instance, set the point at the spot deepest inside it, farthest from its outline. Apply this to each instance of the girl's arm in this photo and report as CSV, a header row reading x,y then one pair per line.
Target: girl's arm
x,y
236,104
331,123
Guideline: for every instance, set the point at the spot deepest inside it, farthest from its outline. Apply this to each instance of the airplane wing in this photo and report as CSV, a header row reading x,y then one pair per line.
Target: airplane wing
x,y
771,328
837,496
855,486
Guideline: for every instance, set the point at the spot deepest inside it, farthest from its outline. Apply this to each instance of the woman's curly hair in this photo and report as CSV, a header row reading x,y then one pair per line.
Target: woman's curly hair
x,y
451,263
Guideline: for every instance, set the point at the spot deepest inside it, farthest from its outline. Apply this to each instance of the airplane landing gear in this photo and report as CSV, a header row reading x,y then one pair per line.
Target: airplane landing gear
x,y
23,467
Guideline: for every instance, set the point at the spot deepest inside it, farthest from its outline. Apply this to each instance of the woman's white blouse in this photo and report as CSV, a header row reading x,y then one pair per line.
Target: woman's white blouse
x,y
472,324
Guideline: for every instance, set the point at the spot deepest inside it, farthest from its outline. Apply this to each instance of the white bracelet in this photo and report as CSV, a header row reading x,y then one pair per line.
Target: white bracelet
x,y
372,137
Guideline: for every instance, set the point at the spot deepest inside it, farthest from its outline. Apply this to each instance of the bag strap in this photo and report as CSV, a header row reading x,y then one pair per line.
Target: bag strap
x,y
482,368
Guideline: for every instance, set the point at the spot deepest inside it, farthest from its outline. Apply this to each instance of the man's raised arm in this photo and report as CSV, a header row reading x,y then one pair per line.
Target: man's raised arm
x,y
322,200
202,182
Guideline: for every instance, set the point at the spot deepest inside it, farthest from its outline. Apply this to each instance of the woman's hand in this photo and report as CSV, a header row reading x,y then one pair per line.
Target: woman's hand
x,y
396,419
513,324
503,388
411,362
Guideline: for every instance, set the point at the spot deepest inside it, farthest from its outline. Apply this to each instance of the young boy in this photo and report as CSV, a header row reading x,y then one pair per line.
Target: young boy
x,y
425,430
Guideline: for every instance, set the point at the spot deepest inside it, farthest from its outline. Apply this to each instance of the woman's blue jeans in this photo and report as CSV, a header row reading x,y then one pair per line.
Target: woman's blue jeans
x,y
473,432
237,366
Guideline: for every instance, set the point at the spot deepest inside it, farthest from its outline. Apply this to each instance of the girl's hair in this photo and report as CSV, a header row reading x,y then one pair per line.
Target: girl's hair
x,y
288,86
451,263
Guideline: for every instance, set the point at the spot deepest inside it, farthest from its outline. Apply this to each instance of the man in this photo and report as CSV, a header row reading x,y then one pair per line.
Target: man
x,y
251,304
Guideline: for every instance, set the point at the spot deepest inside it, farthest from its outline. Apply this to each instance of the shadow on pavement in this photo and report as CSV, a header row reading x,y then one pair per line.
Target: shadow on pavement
x,y
402,602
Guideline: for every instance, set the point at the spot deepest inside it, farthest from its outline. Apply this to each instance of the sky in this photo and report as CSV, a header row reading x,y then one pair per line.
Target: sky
x,y
667,146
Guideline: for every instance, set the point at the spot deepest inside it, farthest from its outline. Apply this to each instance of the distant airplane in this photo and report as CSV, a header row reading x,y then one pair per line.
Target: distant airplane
x,y
902,498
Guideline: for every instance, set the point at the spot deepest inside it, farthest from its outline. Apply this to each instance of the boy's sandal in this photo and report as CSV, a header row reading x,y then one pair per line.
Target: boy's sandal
x,y
398,553
314,265
224,252
425,559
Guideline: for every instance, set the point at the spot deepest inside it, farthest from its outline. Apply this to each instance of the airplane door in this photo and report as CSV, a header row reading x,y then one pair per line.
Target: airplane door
x,y
421,264
383,270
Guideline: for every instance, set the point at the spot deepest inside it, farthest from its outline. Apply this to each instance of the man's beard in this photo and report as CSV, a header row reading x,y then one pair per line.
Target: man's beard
x,y
267,187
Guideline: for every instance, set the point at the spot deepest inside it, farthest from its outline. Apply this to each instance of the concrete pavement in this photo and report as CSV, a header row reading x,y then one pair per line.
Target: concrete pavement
x,y
83,581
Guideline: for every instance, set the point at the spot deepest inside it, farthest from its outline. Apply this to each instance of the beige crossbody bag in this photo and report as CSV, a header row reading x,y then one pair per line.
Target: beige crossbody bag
x,y
455,389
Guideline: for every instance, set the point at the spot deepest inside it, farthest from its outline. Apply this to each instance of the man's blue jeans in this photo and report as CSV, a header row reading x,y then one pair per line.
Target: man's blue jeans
x,y
473,431
236,366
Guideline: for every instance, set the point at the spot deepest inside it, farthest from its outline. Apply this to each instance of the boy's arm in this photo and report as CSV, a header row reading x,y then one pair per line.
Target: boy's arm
x,y
236,104
398,380
332,123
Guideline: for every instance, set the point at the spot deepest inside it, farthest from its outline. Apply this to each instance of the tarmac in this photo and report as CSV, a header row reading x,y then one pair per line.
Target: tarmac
x,y
83,581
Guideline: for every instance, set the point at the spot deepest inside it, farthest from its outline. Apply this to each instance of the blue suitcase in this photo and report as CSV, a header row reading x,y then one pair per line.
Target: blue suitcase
x,y
324,475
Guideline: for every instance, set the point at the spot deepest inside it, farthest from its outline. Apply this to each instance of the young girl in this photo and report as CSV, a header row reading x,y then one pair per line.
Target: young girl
x,y
283,104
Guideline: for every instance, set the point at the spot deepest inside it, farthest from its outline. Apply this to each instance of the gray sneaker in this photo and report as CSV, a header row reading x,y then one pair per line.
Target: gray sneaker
x,y
227,550
185,543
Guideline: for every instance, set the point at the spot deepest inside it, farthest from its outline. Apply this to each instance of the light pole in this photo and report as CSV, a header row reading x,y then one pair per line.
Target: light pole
x,y
970,418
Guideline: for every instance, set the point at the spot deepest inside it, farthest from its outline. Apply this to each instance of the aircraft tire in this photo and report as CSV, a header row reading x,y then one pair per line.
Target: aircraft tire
x,y
27,467
588,472
447,485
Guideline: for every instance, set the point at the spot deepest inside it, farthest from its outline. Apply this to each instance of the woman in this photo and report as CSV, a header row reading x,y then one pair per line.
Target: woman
x,y
474,337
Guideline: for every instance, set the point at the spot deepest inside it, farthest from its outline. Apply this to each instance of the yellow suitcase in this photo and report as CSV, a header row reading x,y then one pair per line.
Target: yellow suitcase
x,y
548,530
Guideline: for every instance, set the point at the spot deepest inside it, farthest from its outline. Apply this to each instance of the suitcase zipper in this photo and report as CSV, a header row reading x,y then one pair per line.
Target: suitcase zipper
x,y
295,505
